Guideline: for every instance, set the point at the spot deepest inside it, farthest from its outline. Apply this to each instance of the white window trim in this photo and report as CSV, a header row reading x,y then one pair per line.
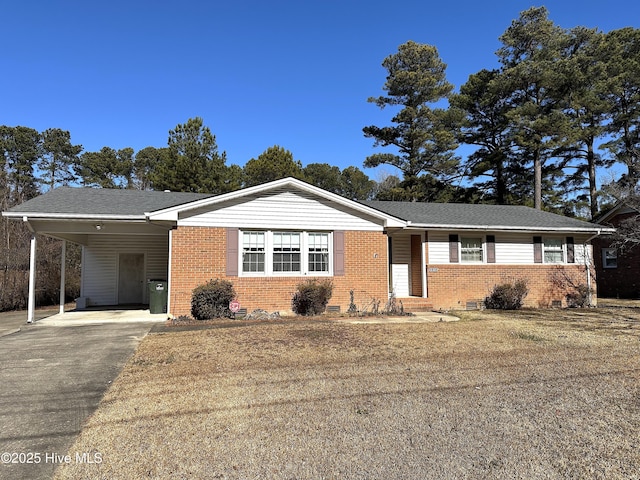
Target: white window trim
x,y
563,249
268,260
483,241
604,258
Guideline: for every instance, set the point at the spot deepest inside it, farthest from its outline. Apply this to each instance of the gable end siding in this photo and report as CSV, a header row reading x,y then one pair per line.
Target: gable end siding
x,y
281,210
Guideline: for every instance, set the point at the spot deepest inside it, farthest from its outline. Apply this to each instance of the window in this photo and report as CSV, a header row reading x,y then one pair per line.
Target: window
x,y
286,253
609,258
318,252
553,251
253,251
471,249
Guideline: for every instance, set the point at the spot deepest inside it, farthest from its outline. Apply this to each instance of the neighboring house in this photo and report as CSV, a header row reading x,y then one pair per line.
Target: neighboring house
x,y
268,238
618,272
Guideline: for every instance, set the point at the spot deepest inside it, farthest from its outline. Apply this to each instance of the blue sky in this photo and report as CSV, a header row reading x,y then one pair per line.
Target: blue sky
x,y
294,74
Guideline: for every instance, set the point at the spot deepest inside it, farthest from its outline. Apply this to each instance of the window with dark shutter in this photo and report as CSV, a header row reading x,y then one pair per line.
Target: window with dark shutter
x,y
232,252
537,249
453,248
491,249
338,253
571,253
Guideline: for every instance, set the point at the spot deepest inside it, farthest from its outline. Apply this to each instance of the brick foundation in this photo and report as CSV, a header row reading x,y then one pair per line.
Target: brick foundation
x,y
198,255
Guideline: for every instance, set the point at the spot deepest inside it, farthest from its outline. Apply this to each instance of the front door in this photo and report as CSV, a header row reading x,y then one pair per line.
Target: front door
x,y
130,278
400,265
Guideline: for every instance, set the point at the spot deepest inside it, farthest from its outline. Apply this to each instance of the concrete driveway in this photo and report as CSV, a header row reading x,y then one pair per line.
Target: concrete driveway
x,y
51,380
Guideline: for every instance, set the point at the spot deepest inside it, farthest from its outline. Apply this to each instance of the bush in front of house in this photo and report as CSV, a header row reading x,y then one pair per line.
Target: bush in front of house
x,y
507,296
211,300
311,297
579,298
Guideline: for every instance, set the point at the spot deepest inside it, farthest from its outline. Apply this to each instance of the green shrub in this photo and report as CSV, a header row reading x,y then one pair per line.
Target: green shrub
x,y
211,300
312,297
508,296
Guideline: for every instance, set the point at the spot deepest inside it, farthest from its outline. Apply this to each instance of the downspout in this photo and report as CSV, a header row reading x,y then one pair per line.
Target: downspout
x,y
587,265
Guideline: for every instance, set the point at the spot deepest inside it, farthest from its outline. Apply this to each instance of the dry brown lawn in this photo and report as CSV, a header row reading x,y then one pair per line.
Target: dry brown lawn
x,y
531,394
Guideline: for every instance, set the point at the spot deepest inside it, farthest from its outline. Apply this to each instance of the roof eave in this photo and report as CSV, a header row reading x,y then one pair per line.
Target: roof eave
x,y
78,216
509,228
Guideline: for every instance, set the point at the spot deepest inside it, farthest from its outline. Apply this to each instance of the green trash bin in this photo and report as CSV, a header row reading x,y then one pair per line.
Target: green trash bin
x,y
157,296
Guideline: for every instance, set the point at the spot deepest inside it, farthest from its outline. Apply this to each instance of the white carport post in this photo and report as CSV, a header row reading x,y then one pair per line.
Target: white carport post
x,y
63,261
32,281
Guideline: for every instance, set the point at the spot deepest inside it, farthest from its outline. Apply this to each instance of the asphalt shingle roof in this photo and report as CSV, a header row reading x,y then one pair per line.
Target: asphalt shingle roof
x,y
103,201
126,203
478,215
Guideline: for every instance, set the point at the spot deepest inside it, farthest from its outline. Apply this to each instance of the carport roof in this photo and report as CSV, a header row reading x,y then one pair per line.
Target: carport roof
x,y
102,202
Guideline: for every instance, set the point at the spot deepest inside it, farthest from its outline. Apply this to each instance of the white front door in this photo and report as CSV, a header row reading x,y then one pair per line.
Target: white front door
x,y
130,278
401,259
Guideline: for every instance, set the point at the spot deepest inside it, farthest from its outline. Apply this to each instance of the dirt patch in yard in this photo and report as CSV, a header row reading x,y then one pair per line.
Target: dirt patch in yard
x,y
539,394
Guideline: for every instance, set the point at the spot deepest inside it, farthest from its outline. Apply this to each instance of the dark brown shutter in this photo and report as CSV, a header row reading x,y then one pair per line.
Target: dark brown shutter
x,y
491,249
537,249
338,253
571,252
453,248
232,252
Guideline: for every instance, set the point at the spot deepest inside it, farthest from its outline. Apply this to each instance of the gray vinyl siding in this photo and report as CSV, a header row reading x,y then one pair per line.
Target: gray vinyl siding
x,y
100,263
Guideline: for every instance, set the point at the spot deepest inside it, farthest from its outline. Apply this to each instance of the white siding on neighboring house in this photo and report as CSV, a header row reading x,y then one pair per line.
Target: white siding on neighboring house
x,y
400,268
281,210
511,248
100,263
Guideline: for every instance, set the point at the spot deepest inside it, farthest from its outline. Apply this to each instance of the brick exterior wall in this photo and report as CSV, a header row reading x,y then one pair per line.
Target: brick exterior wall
x,y
450,287
624,280
199,254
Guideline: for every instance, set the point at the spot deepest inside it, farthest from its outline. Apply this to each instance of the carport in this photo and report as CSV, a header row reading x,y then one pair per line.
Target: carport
x,y
121,248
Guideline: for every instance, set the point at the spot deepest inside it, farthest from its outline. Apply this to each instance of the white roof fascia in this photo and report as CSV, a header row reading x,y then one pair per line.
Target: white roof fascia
x,y
74,216
172,213
497,228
